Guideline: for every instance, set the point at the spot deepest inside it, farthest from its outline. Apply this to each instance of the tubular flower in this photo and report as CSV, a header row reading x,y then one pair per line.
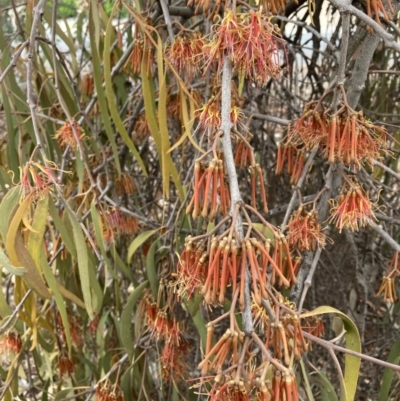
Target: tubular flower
x,y
36,178
251,43
295,158
11,342
66,366
191,269
186,53
345,136
304,231
353,210
388,287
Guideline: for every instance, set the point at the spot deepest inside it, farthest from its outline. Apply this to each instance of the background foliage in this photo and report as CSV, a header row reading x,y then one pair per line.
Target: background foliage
x,y
99,132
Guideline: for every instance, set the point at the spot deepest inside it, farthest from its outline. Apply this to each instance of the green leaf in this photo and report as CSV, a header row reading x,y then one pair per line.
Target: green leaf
x,y
155,130
66,238
36,236
139,241
327,390
52,282
5,262
7,206
306,381
98,81
126,319
110,92
151,268
353,342
394,357
83,264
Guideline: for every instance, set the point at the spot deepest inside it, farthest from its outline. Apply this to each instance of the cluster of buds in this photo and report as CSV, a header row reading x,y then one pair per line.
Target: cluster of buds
x,y
192,268
209,115
284,329
124,184
105,391
295,156
224,352
345,136
87,85
273,6
250,41
185,54
304,230
388,288
377,7
70,135
211,193
220,261
141,129
255,171
142,48
121,222
11,342
243,153
75,329
66,366
353,209
207,8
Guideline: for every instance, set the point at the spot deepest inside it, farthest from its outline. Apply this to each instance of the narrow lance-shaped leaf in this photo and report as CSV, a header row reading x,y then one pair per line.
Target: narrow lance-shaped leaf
x,y
353,342
83,264
110,93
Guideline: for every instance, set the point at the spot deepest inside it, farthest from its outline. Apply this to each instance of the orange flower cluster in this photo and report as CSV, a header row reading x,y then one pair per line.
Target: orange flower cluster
x,y
251,43
243,154
221,261
304,231
225,349
388,288
164,327
124,184
207,8
141,129
11,342
353,210
211,193
87,85
105,391
285,336
66,366
377,7
186,54
70,135
209,115
36,178
141,48
192,268
345,137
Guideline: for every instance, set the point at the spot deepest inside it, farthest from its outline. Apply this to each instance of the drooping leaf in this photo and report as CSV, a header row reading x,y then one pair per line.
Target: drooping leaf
x,y
353,342
139,241
110,92
83,264
126,319
394,357
98,80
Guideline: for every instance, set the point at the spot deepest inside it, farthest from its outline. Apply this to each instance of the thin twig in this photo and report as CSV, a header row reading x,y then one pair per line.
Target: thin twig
x,y
309,278
14,59
328,345
298,186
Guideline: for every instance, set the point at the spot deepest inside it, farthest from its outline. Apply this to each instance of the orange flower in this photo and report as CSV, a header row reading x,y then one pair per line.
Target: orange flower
x,y
304,231
69,135
353,210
